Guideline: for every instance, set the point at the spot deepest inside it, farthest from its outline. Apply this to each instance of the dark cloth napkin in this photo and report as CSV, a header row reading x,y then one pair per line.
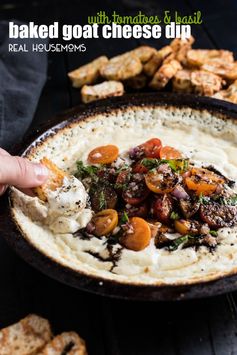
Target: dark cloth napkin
x,y
22,77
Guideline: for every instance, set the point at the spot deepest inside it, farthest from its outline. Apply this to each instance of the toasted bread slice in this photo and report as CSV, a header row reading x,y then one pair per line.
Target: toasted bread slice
x,y
156,60
122,67
179,43
205,83
230,94
54,180
181,48
144,53
138,82
182,81
27,337
166,72
220,67
68,343
101,91
88,73
198,57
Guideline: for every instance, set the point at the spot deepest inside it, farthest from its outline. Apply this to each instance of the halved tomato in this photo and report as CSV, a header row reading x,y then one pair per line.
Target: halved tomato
x,y
123,178
203,181
138,235
139,168
105,221
105,154
169,153
140,210
161,208
136,190
161,183
152,148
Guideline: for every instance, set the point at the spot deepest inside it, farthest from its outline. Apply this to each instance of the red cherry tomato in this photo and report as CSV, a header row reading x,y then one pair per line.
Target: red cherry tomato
x,y
136,190
140,210
152,148
170,153
123,177
139,168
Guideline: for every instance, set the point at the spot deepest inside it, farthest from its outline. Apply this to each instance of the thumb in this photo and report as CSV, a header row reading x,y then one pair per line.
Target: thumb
x,y
20,172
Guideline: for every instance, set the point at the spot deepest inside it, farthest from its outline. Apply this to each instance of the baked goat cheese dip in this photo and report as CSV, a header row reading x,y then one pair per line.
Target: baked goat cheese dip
x,y
182,188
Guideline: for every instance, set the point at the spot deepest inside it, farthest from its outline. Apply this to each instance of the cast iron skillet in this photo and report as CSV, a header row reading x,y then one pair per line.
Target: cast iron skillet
x,y
95,284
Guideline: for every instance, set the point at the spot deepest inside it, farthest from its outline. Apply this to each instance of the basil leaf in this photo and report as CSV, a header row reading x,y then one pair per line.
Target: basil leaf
x,y
177,242
214,233
174,215
179,165
124,218
102,201
231,201
84,171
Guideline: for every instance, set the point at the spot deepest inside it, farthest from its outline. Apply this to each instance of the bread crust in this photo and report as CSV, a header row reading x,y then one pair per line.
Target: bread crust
x,y
205,83
66,340
27,337
101,91
122,67
166,72
88,73
54,180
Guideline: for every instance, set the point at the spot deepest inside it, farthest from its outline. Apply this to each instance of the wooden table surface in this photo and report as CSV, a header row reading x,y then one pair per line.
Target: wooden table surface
x,y
114,327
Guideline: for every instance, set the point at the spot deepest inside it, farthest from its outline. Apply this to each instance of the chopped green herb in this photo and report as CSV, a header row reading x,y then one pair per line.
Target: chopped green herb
x,y
231,201
214,233
174,215
120,186
124,218
84,171
150,163
102,201
179,165
203,199
200,198
181,240
122,168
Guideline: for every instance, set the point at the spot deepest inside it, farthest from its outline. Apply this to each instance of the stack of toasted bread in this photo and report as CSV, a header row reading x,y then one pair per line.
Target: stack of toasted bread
x,y
208,72
33,336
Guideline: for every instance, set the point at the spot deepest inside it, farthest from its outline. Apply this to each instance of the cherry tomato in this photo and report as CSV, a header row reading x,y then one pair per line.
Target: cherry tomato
x,y
152,148
105,221
138,235
123,178
103,197
139,168
203,181
185,226
140,210
103,155
161,183
136,191
161,208
169,153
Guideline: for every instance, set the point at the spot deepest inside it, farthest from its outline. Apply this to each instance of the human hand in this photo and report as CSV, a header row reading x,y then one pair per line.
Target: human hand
x,y
20,172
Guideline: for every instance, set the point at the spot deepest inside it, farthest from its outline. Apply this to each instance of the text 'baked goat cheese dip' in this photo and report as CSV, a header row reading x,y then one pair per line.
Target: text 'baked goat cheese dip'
x,y
141,195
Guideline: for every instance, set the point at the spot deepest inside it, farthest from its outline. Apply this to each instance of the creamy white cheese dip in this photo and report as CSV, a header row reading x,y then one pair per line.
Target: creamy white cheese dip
x,y
200,135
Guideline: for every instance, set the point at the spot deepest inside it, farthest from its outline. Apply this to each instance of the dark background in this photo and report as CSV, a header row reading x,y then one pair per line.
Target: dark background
x,y
114,327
